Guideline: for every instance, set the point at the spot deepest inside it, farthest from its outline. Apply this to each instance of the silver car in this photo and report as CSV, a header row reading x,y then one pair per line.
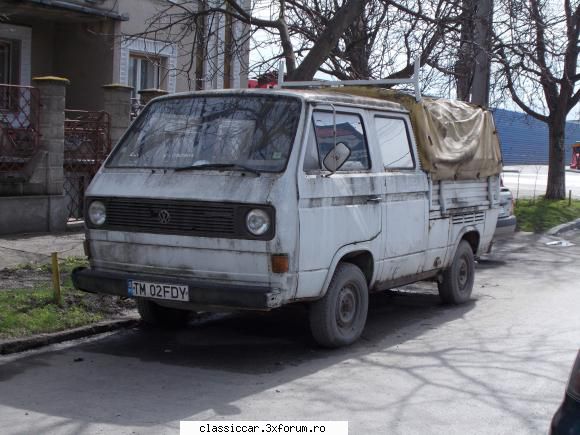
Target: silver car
x,y
506,221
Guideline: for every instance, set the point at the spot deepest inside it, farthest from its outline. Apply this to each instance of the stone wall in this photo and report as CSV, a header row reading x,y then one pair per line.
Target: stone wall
x,y
35,201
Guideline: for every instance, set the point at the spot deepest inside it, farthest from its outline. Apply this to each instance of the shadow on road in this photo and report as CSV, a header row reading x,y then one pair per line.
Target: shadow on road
x,y
220,366
148,377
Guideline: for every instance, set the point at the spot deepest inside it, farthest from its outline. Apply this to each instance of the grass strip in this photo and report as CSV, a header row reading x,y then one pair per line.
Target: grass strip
x,y
30,311
541,214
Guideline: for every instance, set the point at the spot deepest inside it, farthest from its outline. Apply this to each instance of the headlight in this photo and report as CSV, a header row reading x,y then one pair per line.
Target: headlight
x,y
97,213
257,222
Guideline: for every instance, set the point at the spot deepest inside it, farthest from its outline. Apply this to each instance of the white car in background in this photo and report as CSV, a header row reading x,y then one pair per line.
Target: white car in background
x,y
506,221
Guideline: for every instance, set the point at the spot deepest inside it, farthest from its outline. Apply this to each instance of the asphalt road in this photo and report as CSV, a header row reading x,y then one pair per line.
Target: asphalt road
x,y
497,365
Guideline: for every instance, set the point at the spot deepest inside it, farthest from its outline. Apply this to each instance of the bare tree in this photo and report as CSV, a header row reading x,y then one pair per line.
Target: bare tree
x,y
536,53
383,40
348,39
190,25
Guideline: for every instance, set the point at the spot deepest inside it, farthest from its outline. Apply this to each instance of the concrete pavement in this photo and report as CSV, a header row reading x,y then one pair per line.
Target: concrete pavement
x,y
497,365
36,248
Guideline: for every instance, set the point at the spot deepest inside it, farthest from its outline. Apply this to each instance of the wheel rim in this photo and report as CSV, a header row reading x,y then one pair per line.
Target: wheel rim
x,y
463,274
346,307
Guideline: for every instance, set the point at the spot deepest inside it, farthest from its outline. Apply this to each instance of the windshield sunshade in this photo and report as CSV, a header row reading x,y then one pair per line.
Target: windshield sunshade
x,y
253,131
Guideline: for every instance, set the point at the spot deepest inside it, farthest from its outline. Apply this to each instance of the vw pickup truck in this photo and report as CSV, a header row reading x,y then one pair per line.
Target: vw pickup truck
x,y
256,199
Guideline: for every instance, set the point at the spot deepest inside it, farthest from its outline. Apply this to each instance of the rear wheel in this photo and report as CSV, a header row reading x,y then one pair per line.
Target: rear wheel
x,y
157,315
458,279
339,318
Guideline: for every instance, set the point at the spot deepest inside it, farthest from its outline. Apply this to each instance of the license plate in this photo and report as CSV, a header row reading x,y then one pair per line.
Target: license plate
x,y
158,290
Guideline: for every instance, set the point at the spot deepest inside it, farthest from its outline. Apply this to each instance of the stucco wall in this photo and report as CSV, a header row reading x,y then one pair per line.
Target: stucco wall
x,y
42,59
140,11
84,55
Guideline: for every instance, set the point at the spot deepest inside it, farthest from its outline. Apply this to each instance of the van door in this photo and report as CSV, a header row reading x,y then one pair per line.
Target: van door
x,y
405,205
335,209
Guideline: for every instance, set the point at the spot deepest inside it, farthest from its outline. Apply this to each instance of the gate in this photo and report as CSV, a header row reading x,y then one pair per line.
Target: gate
x,y
19,127
87,142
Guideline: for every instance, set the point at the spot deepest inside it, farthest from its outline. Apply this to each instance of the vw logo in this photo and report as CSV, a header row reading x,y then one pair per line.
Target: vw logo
x,y
164,217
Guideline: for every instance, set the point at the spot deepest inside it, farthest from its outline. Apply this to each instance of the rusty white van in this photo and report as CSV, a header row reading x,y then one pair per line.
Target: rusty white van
x,y
255,199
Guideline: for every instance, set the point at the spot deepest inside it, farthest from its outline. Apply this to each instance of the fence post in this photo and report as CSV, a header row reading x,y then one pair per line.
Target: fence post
x,y
117,103
148,94
56,279
51,124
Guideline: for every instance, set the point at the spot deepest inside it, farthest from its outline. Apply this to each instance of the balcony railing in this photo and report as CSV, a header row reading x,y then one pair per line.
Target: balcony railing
x,y
19,126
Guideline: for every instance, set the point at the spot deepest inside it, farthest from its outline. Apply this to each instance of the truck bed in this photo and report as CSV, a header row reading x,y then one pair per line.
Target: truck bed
x,y
450,198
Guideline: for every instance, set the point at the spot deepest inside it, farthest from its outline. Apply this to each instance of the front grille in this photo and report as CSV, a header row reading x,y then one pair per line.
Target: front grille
x,y
194,218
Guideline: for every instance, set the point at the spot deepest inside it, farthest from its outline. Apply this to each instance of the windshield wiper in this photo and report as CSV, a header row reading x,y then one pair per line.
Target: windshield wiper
x,y
224,166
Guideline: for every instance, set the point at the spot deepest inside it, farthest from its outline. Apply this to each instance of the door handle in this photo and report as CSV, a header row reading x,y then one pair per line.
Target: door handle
x,y
374,199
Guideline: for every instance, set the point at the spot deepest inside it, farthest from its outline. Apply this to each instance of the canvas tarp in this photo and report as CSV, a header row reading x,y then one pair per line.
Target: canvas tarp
x,y
456,140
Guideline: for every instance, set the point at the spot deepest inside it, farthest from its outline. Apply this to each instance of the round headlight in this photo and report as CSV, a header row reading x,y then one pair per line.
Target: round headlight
x,y
97,213
258,222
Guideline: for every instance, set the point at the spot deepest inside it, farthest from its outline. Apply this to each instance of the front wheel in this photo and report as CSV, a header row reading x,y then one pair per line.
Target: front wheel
x,y
157,315
339,318
458,279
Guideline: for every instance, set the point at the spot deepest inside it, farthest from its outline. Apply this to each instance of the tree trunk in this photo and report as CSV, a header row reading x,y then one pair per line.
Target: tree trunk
x,y
465,56
482,37
356,38
556,188
349,12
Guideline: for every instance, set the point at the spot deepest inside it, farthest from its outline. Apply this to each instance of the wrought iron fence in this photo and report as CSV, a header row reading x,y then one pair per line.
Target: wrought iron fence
x,y
19,126
87,142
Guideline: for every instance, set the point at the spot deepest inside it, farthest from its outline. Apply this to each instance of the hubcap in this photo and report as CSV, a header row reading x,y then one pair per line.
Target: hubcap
x,y
463,274
346,305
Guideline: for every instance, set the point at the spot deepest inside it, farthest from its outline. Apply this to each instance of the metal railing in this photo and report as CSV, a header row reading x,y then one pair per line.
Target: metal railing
x,y
414,80
87,143
19,126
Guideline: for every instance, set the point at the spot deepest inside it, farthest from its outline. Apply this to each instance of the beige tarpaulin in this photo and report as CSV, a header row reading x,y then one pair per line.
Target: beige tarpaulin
x,y
456,140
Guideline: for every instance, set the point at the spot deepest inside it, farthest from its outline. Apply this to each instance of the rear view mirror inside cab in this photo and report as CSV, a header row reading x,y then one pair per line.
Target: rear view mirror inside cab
x,y
336,157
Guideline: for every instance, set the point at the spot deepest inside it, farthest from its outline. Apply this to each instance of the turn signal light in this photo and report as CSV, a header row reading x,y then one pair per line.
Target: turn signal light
x,y
280,263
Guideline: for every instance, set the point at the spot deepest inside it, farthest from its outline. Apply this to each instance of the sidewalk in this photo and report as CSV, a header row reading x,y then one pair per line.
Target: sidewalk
x,y
36,248
530,181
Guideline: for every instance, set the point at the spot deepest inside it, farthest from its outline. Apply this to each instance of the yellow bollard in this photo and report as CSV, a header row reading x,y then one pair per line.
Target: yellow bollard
x,y
56,278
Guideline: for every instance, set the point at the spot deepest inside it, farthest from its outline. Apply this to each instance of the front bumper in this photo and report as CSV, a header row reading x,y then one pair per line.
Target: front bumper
x,y
200,293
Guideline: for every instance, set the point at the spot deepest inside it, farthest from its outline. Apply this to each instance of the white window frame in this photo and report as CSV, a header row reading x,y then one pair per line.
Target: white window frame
x,y
156,71
149,47
24,35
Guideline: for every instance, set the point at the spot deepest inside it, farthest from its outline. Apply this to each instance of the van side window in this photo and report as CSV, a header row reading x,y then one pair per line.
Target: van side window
x,y
394,143
349,131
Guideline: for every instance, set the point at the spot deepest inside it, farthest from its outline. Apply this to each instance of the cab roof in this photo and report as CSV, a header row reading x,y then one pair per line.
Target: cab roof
x,y
313,96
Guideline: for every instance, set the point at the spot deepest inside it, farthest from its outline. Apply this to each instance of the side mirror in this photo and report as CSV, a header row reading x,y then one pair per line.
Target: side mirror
x,y
336,157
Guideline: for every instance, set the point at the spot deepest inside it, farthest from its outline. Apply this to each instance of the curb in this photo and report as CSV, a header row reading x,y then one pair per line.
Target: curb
x,y
559,229
40,340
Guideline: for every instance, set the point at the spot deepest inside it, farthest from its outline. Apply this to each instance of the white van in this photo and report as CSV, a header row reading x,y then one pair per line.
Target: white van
x,y
255,199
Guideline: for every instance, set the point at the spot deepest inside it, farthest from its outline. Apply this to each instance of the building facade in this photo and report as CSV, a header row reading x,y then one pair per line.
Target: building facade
x,y
97,42
70,72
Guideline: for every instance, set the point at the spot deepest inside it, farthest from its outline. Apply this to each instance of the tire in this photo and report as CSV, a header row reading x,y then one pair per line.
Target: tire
x,y
339,318
458,279
156,315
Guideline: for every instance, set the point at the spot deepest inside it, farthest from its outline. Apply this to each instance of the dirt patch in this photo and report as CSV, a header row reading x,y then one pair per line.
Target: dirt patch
x,y
23,278
35,279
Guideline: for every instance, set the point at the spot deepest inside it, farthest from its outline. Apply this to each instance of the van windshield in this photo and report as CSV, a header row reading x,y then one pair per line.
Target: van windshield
x,y
252,131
